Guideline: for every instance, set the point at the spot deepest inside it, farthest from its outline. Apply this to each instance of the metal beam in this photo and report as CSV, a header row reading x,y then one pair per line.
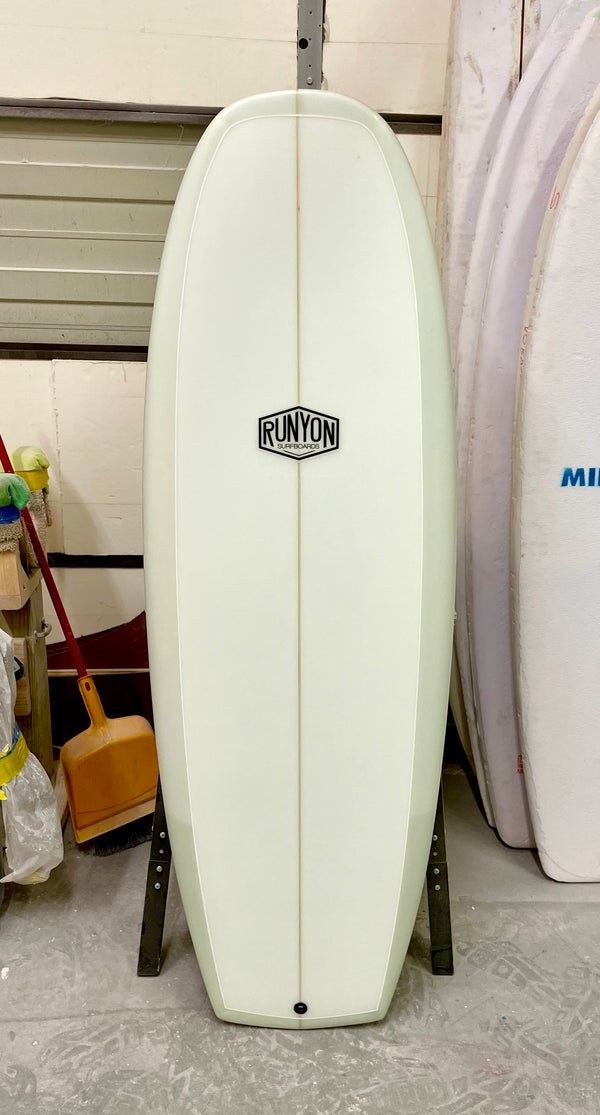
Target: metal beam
x,y
57,108
402,123
311,21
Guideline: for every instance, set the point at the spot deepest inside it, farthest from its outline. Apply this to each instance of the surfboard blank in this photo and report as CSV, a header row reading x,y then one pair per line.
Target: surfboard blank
x,y
537,17
556,529
551,122
300,613
497,185
483,73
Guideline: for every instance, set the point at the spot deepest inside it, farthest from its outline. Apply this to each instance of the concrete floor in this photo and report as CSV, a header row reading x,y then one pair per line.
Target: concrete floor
x,y
516,1029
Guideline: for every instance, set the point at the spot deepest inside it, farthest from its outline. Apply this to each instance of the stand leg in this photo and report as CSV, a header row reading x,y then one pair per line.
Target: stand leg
x,y
157,885
438,894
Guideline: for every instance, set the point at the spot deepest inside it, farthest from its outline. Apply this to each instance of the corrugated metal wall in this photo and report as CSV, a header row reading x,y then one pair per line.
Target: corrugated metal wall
x,y
84,208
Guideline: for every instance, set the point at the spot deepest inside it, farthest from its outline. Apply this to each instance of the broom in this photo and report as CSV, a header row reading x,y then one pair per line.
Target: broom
x,y
111,768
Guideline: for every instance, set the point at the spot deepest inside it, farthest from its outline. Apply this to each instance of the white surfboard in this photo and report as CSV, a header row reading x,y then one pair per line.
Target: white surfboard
x,y
488,49
537,17
539,261
489,214
558,107
299,511
482,75
556,524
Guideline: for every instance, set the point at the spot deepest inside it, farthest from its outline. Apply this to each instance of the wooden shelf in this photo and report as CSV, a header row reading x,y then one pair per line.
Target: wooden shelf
x,y
23,619
15,586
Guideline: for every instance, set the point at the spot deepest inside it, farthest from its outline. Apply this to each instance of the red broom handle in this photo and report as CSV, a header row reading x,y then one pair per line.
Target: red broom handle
x,y
49,579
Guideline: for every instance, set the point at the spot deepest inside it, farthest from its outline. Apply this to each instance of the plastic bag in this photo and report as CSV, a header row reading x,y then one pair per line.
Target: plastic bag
x,y
32,825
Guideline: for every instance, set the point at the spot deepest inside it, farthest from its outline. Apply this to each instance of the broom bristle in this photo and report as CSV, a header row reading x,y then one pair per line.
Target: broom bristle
x,y
127,836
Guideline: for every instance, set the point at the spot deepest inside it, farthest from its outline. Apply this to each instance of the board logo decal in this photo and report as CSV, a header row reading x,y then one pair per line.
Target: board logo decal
x,y
299,433
580,478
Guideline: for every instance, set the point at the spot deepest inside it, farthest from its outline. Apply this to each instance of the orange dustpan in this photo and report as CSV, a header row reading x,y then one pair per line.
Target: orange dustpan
x,y
110,769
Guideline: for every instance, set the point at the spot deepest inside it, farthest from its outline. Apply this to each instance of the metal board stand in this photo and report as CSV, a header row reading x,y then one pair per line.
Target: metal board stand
x,y
438,895
311,23
157,884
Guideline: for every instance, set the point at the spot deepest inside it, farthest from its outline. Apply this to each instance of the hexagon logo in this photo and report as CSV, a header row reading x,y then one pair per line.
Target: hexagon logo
x,y
299,433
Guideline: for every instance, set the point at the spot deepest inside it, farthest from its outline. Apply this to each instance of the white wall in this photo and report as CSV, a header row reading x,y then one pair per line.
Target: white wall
x,y
88,416
389,53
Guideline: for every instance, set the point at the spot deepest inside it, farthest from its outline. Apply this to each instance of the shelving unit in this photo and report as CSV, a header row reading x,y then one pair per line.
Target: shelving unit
x,y
22,617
